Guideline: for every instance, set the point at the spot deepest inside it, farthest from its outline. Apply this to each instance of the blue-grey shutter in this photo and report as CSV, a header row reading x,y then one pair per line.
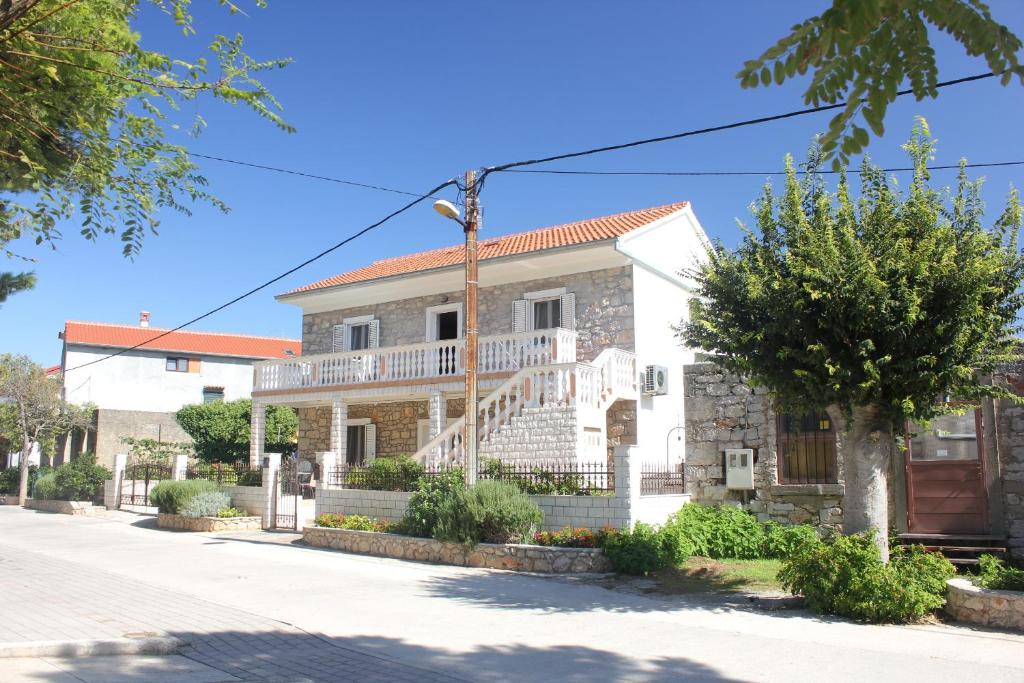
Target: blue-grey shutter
x,y
339,340
519,315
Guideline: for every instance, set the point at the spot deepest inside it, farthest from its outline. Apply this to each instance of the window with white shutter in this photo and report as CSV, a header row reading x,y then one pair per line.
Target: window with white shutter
x,y
355,334
519,315
338,339
567,308
370,438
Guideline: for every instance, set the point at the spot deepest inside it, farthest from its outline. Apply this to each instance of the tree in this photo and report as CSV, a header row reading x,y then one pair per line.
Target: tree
x,y
151,451
873,309
84,117
862,51
39,411
220,430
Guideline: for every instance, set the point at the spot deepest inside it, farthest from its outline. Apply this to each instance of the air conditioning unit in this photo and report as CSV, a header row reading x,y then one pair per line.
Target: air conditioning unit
x,y
739,468
655,380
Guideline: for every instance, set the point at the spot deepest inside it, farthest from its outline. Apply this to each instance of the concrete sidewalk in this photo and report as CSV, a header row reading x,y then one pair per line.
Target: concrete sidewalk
x,y
257,607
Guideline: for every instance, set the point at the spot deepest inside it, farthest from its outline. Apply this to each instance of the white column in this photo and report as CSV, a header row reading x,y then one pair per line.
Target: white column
x,y
180,463
112,497
327,460
437,411
339,428
627,481
271,467
257,432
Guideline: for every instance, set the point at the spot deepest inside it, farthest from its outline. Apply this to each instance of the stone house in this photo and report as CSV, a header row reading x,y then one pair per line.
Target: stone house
x,y
572,320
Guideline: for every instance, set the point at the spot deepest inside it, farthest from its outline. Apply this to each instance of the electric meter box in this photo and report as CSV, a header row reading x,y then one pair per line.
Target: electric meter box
x,y
739,468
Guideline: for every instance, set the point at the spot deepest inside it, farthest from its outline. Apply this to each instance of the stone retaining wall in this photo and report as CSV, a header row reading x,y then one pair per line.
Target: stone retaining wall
x,y
8,498
591,512
182,523
524,558
64,507
970,603
248,498
384,505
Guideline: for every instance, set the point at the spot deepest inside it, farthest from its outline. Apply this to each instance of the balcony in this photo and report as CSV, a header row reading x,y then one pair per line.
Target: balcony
x,y
424,363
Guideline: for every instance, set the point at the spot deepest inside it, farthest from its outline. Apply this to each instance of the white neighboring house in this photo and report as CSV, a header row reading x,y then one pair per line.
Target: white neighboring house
x,y
572,320
137,393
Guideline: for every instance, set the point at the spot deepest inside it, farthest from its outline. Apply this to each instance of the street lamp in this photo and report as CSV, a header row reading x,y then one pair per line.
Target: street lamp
x,y
469,226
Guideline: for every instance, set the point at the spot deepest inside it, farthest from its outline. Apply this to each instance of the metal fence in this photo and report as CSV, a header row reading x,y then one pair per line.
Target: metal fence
x,y
379,478
558,478
660,480
138,481
226,473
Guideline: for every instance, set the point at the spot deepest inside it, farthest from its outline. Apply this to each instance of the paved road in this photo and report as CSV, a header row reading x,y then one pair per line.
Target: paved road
x,y
256,607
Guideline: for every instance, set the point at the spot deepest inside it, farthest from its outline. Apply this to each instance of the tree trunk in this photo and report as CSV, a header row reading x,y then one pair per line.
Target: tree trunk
x,y
26,450
865,444
12,10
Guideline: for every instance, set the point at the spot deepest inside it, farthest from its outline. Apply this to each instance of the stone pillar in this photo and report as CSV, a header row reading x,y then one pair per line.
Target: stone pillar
x,y
627,480
437,411
328,461
180,464
339,428
112,494
257,432
271,467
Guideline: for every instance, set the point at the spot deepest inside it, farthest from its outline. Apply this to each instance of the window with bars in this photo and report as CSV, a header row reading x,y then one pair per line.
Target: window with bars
x,y
806,449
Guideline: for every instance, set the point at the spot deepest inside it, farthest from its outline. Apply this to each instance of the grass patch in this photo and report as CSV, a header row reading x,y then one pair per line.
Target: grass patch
x,y
705,575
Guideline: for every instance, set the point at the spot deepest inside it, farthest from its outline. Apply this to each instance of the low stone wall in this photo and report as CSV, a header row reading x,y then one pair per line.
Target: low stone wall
x,y
8,498
523,558
248,498
182,523
64,507
384,505
592,512
970,603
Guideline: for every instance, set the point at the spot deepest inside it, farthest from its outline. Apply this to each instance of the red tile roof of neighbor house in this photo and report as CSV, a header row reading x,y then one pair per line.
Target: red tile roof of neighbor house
x,y
580,232
212,343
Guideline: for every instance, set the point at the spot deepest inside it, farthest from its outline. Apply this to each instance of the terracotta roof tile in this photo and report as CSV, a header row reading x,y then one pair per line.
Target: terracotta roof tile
x,y
214,343
579,232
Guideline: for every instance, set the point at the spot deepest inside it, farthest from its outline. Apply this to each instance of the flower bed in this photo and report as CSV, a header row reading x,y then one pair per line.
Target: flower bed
x,y
512,557
984,606
64,507
183,523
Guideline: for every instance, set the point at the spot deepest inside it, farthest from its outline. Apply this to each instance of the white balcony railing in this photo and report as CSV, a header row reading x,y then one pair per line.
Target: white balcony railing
x,y
426,361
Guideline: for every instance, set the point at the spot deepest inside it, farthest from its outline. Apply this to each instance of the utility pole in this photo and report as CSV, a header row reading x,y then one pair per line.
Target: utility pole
x,y
470,227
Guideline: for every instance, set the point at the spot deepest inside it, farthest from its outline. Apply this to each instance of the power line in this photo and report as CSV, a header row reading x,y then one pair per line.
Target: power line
x,y
303,174
325,252
743,173
712,129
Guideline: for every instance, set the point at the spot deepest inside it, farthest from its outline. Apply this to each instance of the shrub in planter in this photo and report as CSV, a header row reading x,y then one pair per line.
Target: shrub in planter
x,y
353,522
206,504
232,512
46,487
81,479
171,496
574,537
490,512
996,575
421,513
846,576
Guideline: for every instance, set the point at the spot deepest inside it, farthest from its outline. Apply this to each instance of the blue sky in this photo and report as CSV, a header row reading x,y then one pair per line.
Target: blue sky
x,y
407,94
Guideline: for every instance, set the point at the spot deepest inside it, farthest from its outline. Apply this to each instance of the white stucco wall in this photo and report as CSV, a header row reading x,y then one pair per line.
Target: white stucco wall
x,y
139,380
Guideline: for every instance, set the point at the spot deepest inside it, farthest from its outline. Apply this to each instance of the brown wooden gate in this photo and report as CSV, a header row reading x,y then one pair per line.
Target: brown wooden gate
x,y
946,476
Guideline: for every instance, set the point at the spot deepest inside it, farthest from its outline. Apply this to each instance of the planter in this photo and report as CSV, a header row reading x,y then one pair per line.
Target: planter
x,y
64,507
512,557
182,523
976,605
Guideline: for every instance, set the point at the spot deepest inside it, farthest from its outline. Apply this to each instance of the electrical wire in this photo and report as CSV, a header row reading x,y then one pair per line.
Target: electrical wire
x,y
743,173
325,252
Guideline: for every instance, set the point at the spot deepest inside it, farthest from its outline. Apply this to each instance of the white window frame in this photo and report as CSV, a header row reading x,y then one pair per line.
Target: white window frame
x,y
349,323
370,452
430,326
538,296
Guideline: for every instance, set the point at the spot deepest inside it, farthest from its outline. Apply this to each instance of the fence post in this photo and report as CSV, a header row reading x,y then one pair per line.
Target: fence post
x,y
180,463
112,494
271,467
627,483
327,460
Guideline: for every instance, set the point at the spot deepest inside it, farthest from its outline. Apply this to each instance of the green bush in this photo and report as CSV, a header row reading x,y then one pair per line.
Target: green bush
x,y
232,512
81,479
353,522
421,513
490,512
719,532
645,549
10,479
780,541
206,504
996,575
574,537
46,487
846,576
250,478
171,496
539,482
393,474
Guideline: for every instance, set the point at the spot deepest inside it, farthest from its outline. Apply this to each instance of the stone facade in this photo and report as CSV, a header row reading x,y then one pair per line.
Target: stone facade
x,y
522,558
113,425
604,313
538,434
182,523
975,605
723,411
620,423
1009,419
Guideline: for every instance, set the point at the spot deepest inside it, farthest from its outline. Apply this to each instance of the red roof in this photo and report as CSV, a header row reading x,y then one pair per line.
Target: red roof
x,y
53,370
580,232
212,343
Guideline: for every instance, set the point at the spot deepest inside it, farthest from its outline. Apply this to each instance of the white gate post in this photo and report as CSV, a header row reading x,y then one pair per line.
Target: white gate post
x,y
112,494
627,482
339,428
180,463
327,461
271,468
257,432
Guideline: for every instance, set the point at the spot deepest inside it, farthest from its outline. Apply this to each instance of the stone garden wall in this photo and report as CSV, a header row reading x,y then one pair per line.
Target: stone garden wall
x,y
723,411
182,523
64,507
1010,456
384,505
248,498
975,605
524,558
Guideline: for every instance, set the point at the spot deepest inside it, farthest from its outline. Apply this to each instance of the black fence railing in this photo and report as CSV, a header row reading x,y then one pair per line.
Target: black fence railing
x,y
138,480
660,480
226,473
380,479
555,478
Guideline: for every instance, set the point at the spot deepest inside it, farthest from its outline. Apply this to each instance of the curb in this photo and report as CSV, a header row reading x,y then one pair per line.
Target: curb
x,y
146,645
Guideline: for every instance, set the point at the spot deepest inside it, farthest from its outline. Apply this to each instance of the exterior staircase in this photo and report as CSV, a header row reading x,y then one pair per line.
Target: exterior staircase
x,y
962,550
553,411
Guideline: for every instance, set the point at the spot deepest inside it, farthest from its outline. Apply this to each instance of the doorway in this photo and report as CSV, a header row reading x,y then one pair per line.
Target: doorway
x,y
444,324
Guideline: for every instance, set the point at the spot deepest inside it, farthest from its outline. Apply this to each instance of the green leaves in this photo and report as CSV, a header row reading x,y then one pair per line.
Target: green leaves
x,y
893,300
863,51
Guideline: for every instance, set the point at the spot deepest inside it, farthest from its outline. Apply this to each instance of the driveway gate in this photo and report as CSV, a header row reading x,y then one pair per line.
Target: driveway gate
x,y
286,510
138,481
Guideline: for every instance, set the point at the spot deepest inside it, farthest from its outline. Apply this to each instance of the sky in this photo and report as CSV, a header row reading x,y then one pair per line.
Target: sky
x,y
407,94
